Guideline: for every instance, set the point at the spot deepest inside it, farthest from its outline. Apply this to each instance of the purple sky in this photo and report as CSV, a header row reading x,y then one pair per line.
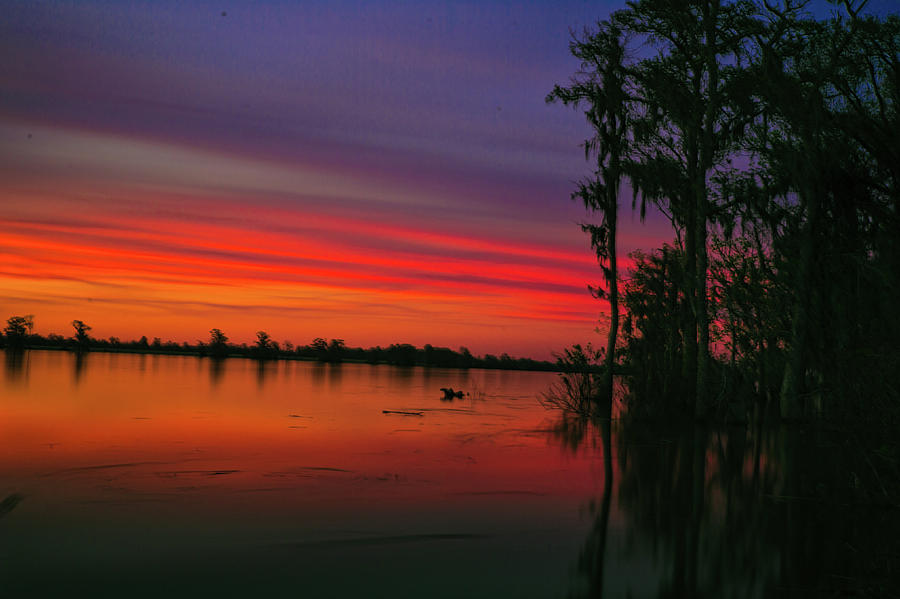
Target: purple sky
x,y
275,120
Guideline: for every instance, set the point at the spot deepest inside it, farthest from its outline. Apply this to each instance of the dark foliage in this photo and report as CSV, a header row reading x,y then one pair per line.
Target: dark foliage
x,y
18,335
771,140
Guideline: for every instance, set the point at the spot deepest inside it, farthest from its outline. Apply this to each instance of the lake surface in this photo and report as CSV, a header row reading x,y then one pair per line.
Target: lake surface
x,y
165,476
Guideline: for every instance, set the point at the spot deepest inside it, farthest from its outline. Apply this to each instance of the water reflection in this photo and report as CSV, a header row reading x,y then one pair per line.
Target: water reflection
x,y
335,375
237,491
263,367
730,512
573,431
429,377
403,377
286,473
216,371
317,374
79,364
16,363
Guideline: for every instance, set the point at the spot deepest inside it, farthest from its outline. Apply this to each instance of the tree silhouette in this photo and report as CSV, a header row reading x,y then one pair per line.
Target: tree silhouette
x,y
336,350
264,347
320,346
81,334
666,123
601,87
17,330
770,140
218,343
686,132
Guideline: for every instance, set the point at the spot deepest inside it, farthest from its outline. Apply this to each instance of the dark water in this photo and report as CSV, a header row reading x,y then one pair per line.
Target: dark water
x,y
160,476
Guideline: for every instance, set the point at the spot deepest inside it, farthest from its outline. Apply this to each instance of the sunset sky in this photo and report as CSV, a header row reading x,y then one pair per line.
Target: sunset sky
x,y
374,171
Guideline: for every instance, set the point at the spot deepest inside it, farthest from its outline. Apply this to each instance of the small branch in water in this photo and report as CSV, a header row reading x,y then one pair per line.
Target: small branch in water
x,y
402,413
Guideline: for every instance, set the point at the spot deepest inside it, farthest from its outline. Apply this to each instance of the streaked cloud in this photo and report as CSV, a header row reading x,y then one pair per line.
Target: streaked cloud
x,y
379,172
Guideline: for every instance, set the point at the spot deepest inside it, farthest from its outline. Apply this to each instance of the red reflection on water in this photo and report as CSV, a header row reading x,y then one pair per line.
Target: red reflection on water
x,y
125,428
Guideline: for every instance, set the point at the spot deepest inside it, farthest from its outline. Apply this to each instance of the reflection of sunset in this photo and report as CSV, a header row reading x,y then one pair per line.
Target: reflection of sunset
x,y
307,425
226,471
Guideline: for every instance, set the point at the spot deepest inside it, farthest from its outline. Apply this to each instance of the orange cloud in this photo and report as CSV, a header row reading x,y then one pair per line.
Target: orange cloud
x,y
169,249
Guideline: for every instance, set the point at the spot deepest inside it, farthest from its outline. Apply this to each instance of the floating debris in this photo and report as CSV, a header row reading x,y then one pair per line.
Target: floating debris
x,y
451,394
175,473
325,468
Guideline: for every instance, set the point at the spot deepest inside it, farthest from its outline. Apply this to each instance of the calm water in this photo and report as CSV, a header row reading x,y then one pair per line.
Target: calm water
x,y
138,475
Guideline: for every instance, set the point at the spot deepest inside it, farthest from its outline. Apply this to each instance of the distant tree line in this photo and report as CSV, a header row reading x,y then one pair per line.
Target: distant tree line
x,y
19,334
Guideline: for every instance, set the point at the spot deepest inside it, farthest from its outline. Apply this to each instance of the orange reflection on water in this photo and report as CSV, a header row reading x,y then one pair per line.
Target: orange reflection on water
x,y
206,471
190,426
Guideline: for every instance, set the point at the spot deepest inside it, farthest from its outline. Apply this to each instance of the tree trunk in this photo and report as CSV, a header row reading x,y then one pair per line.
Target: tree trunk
x,y
613,283
792,383
701,401
671,359
689,365
602,525
710,18
697,502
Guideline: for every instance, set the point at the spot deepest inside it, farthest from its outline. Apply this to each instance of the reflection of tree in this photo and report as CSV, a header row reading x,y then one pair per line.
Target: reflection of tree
x,y
335,375
402,377
262,371
575,430
16,362
697,500
593,555
317,375
216,371
836,541
79,366
753,512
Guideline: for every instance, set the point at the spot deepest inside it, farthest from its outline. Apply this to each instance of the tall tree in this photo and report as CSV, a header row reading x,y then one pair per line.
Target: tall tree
x,y
218,343
81,333
685,133
17,330
826,114
600,87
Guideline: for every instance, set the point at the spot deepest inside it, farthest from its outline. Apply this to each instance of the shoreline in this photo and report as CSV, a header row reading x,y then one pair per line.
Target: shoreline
x,y
283,357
